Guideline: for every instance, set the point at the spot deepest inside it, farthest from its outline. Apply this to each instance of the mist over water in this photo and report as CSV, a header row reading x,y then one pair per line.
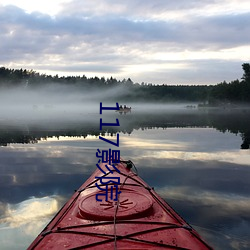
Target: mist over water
x,y
51,102
191,156
61,102
59,107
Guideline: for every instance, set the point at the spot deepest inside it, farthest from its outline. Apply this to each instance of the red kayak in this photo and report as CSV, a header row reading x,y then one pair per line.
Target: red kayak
x,y
105,214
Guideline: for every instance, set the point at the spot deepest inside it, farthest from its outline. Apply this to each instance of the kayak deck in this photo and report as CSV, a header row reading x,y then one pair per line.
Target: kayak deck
x,y
139,219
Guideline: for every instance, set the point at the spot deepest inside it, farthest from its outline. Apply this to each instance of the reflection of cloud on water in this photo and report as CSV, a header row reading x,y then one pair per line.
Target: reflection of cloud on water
x,y
29,212
183,139
148,144
229,203
49,157
236,156
22,222
200,144
227,240
44,169
225,216
143,141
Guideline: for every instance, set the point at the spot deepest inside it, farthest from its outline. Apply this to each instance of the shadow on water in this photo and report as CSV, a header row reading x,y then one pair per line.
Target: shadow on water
x,y
82,125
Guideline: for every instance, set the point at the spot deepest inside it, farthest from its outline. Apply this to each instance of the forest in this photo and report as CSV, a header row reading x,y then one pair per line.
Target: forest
x,y
224,93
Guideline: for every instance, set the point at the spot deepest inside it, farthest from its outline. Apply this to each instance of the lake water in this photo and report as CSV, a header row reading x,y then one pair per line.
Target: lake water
x,y
197,160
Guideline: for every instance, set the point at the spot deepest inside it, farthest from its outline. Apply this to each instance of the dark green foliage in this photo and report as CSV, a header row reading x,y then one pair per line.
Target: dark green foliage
x,y
233,92
246,75
222,93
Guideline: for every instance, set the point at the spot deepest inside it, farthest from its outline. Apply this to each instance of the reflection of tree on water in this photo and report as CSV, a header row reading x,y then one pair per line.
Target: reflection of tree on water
x,y
237,122
15,137
246,141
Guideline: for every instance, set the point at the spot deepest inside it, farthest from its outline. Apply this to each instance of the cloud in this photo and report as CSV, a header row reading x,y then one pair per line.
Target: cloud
x,y
122,30
147,9
95,38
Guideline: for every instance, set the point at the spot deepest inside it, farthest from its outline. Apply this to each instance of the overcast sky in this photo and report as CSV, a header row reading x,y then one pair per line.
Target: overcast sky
x,y
154,41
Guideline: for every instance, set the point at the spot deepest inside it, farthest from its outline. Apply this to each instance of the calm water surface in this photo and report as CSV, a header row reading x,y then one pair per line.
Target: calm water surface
x,y
193,158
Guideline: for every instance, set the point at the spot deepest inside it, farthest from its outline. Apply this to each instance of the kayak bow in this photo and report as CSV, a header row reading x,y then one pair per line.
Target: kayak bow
x,y
138,219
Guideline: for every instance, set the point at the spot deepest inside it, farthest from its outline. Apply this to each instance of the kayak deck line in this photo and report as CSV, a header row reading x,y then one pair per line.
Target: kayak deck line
x,y
139,219
120,237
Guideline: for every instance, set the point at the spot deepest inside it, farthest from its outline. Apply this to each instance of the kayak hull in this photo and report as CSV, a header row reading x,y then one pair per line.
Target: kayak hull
x,y
138,219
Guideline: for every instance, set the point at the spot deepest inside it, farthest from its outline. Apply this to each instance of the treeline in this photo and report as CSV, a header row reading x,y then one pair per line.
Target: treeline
x,y
234,92
237,91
